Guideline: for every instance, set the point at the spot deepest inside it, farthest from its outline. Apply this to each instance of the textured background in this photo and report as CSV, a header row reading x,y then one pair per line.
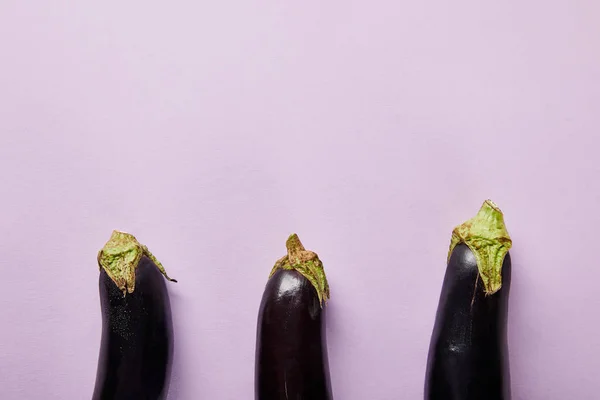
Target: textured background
x,y
212,130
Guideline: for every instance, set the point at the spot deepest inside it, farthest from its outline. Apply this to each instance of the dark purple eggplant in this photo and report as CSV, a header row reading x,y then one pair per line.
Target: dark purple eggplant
x,y
468,353
137,331
291,347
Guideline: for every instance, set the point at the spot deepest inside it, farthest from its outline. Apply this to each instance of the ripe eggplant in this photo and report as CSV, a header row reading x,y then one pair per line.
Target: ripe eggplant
x,y
137,331
468,353
291,347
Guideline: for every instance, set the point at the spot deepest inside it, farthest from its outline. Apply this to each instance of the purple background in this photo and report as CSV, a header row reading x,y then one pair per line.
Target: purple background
x,y
212,131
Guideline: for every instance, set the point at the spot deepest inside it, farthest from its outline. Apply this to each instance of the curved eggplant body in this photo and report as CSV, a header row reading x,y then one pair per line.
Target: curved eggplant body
x,y
468,355
137,338
291,349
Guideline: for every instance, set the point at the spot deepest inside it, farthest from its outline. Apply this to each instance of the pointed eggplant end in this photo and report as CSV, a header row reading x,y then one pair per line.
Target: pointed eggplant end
x,y
486,235
294,246
120,258
307,263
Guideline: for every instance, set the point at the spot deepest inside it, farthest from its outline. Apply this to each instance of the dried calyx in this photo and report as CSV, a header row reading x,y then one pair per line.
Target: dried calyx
x,y
306,263
120,258
486,235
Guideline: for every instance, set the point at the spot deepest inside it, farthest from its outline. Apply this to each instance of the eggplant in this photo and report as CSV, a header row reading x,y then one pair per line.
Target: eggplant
x,y
468,353
291,347
137,331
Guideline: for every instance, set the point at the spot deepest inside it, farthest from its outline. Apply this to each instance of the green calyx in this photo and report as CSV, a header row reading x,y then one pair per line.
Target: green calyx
x,y
486,235
306,263
121,256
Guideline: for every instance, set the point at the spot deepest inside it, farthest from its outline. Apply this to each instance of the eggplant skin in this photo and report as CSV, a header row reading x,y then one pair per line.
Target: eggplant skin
x,y
291,347
468,354
137,338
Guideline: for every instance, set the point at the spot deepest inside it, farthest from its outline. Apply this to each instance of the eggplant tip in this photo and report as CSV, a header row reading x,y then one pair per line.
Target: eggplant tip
x,y
293,244
307,263
487,237
120,257
493,205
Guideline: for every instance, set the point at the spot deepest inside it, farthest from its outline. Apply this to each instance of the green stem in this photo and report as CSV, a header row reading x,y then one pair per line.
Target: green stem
x,y
486,235
307,263
120,258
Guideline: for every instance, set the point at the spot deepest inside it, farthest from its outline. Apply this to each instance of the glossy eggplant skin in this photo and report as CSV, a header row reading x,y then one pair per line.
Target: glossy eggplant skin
x,y
468,354
291,348
137,338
